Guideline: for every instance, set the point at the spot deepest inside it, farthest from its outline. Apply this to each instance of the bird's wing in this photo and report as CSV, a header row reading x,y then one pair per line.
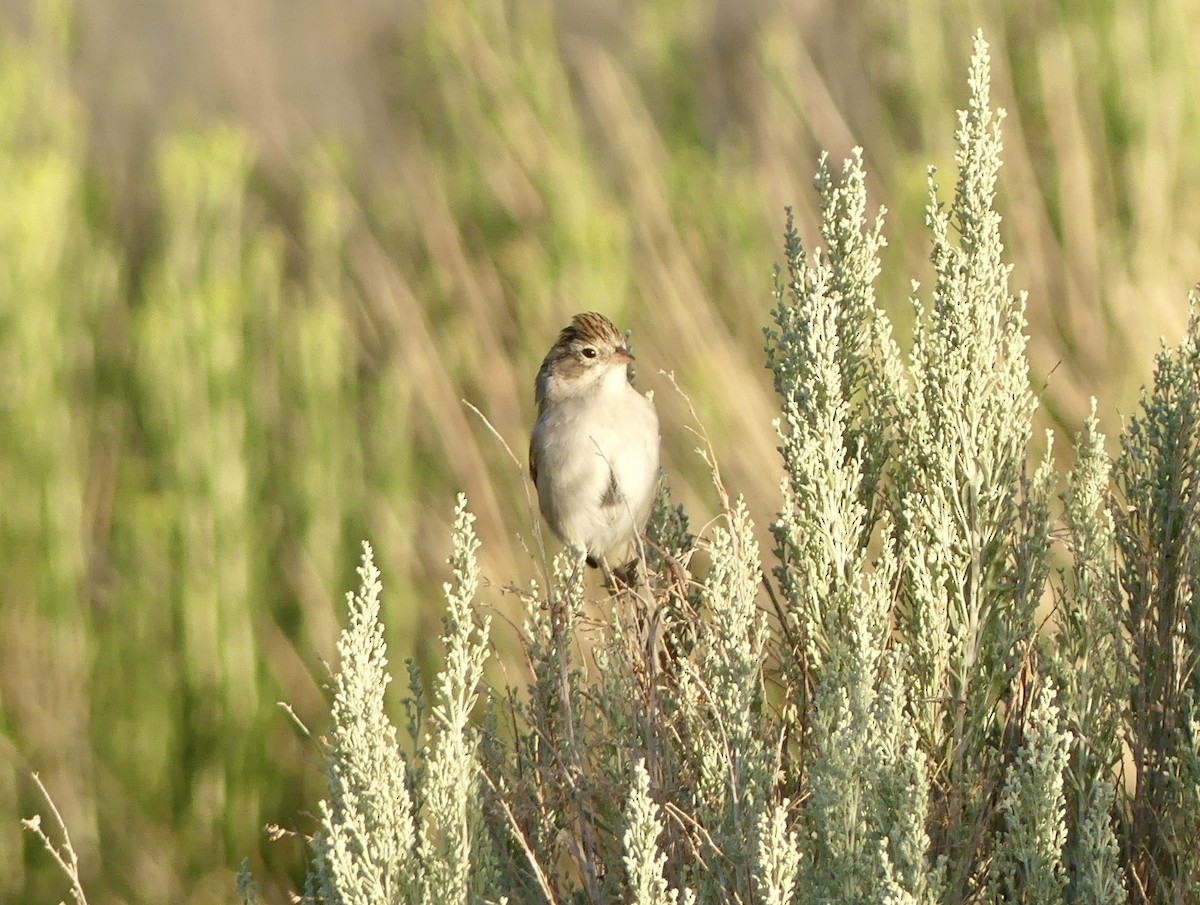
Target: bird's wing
x,y
532,462
612,493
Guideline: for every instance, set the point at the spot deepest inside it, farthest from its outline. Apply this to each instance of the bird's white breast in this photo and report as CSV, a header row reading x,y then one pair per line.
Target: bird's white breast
x,y
580,443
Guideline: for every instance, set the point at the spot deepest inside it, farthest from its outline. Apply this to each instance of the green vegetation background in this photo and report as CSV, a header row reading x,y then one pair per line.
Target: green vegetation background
x,y
252,256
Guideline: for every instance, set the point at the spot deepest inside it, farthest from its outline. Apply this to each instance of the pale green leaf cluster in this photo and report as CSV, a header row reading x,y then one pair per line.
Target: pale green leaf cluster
x,y
1157,533
364,849
733,741
1027,866
835,369
1095,855
1085,664
451,780
966,426
721,684
643,860
778,855
380,840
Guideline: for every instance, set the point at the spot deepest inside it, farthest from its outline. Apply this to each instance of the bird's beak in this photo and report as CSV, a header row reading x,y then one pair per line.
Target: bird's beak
x,y
622,356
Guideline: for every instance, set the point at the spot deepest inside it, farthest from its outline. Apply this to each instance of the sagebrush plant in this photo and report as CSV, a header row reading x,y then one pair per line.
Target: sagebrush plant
x,y
937,705
392,831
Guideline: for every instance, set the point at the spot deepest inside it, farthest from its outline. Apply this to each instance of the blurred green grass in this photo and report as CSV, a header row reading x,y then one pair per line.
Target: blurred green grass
x,y
239,307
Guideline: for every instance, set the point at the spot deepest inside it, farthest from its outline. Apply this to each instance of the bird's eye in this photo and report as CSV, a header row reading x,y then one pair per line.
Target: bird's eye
x,y
589,352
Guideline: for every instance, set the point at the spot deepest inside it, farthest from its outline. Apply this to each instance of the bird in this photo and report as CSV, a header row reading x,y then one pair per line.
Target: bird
x,y
594,448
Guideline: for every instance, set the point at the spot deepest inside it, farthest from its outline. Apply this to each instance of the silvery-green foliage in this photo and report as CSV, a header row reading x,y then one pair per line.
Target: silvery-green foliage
x,y
820,526
728,659
777,858
1183,821
550,619
1084,662
1084,657
970,531
669,546
668,534
555,742
838,378
549,627
869,362
247,889
1027,865
732,740
373,846
967,423
1030,566
1157,529
836,372
900,787
451,779
364,850
643,860
1095,865
867,776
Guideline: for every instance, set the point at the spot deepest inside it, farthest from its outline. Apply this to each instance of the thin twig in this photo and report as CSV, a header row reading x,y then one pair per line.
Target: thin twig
x,y
305,731
538,873
706,453
524,475
65,857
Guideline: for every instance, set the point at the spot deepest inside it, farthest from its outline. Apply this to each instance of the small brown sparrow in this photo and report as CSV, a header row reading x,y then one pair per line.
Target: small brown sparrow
x,y
593,452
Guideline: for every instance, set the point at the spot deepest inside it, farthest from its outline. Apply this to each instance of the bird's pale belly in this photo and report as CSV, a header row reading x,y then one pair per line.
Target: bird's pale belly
x,y
611,486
